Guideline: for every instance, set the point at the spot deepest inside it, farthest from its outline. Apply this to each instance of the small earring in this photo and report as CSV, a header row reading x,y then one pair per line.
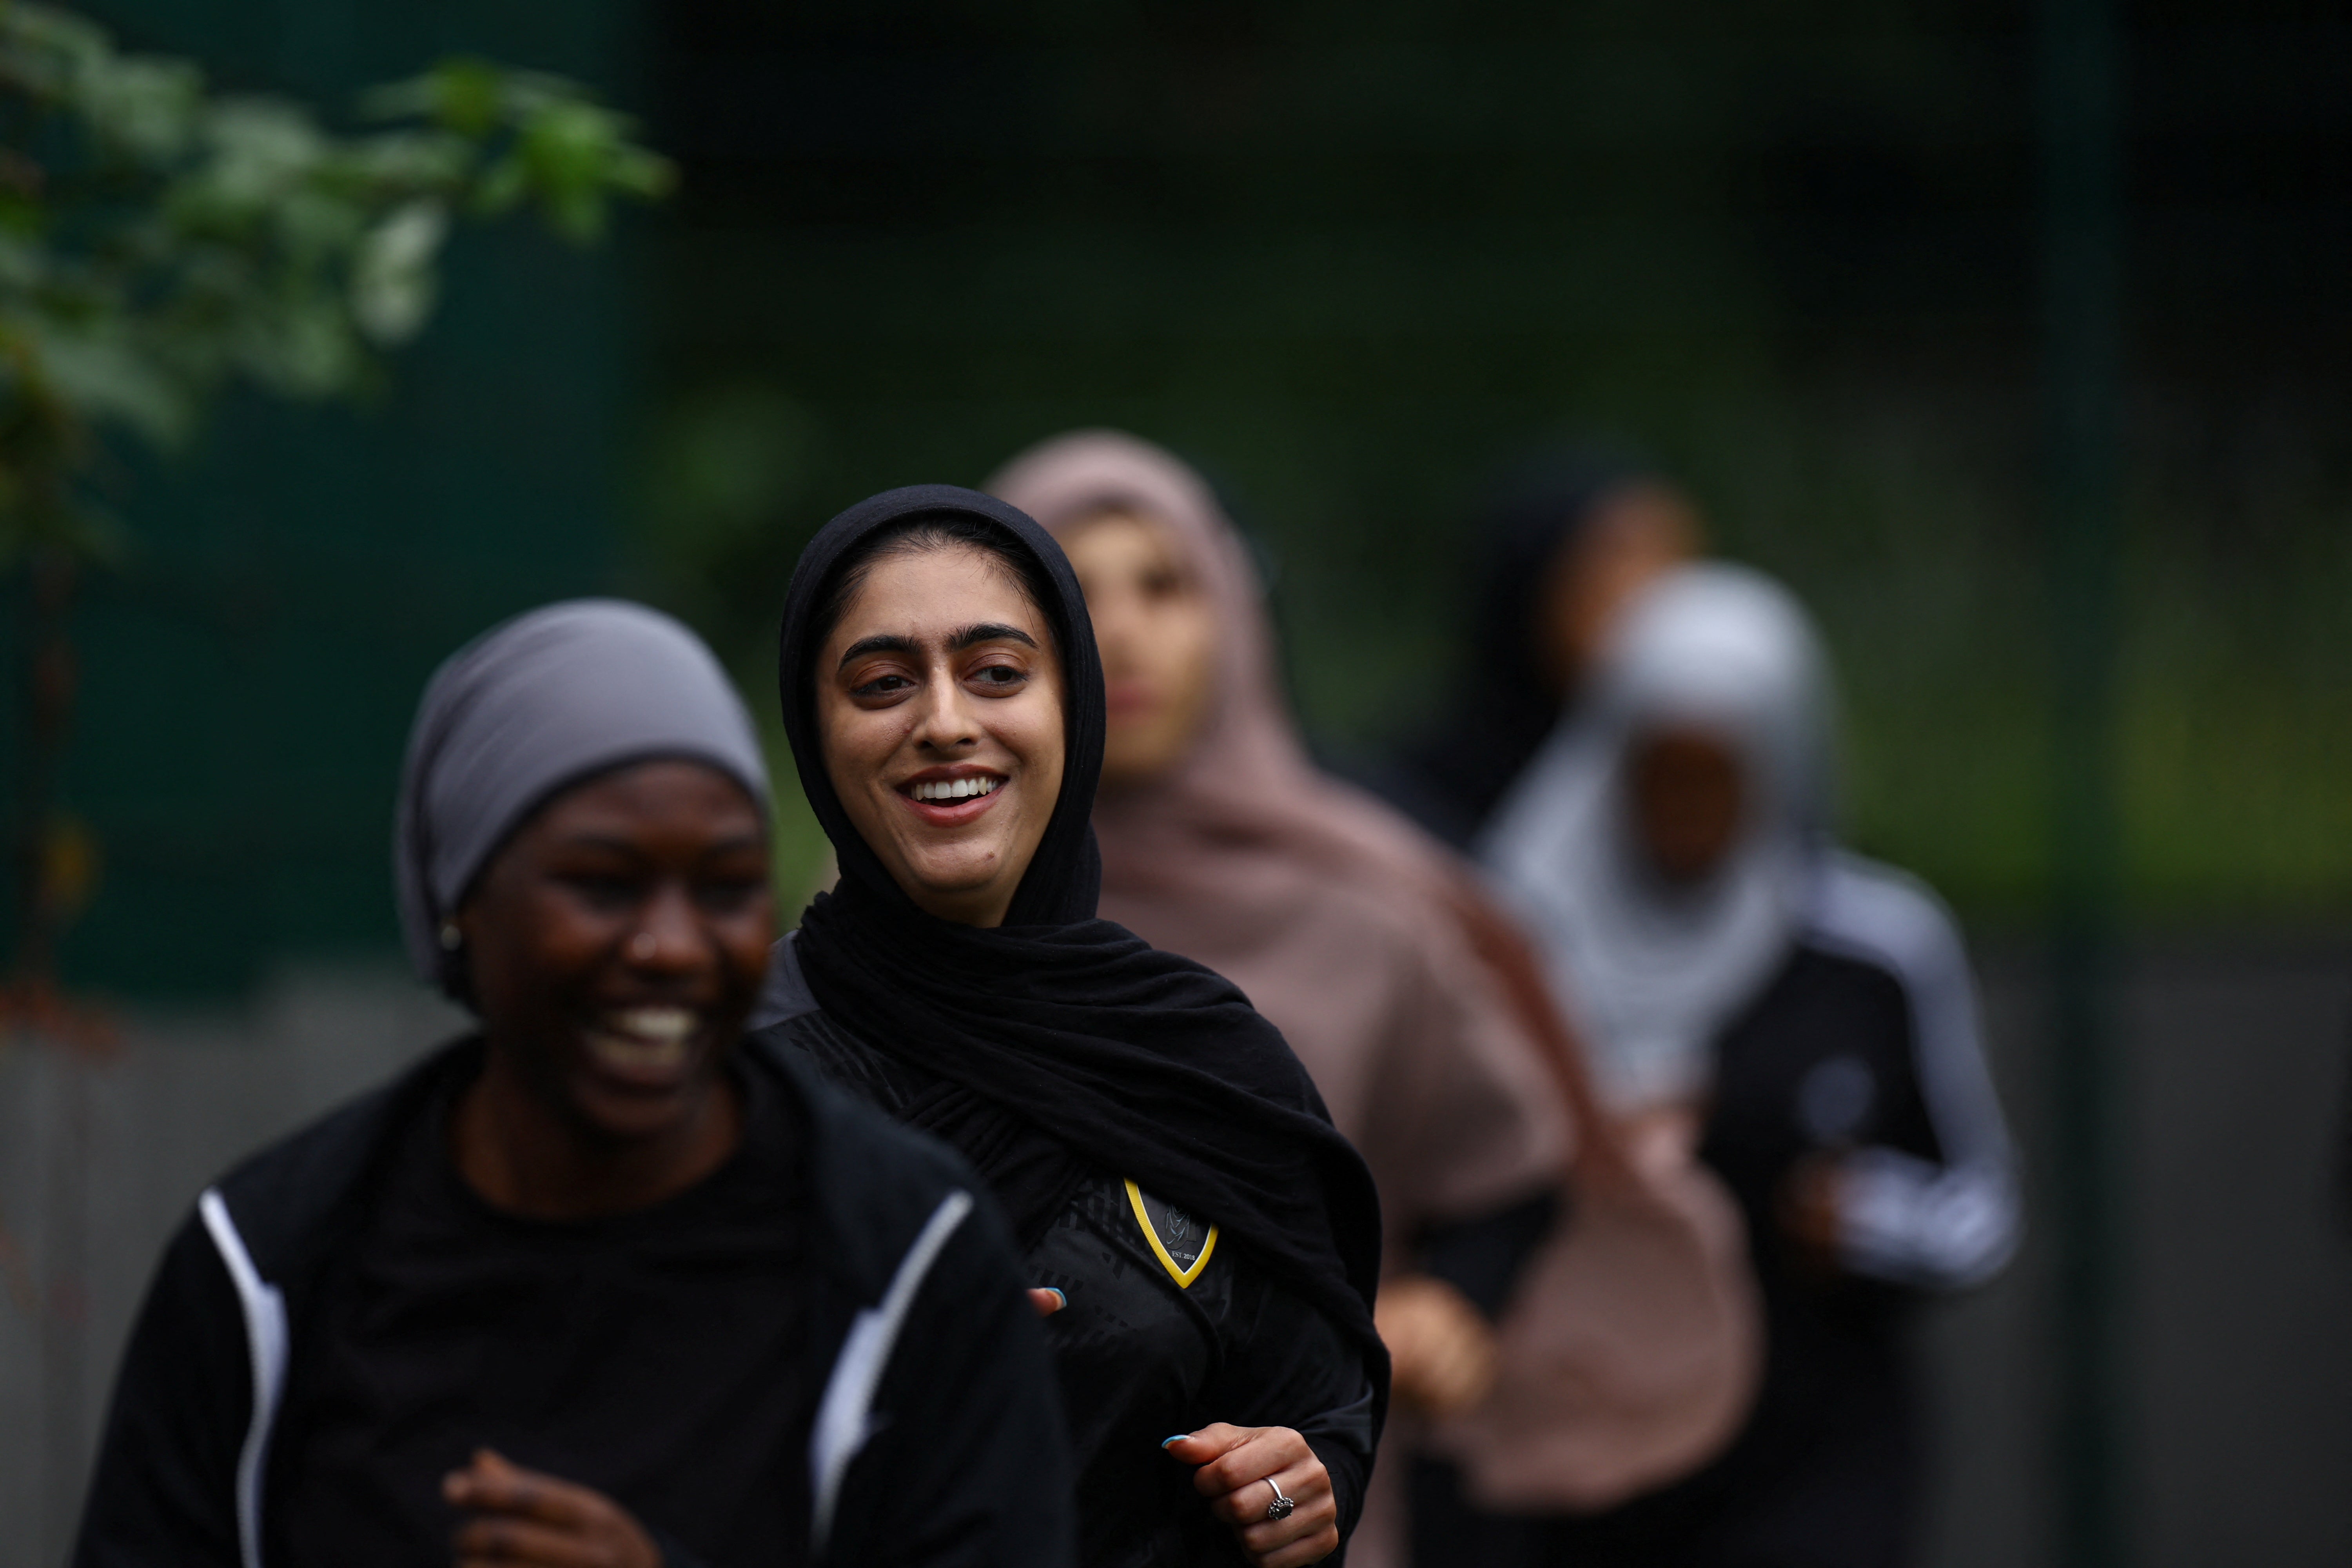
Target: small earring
x,y
451,937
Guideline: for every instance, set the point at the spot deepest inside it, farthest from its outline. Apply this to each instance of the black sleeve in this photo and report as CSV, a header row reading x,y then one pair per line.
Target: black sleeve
x,y
1286,1364
969,1466
164,1489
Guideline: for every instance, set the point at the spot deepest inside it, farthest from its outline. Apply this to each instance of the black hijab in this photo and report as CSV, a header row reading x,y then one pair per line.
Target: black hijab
x,y
1450,778
1059,1044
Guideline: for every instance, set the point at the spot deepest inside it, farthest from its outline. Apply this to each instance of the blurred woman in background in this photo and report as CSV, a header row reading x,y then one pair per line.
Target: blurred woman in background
x,y
1365,940
1570,538
1207,1244
1808,1015
593,1284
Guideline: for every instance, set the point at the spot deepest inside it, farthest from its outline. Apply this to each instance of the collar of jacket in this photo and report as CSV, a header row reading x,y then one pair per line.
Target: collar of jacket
x,y
287,1202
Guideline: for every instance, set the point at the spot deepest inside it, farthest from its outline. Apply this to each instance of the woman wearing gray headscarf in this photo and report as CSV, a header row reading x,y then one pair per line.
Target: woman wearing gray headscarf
x,y
1805,1018
597,1283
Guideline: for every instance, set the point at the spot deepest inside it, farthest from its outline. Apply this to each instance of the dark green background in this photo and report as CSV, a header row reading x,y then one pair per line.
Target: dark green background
x,y
1347,258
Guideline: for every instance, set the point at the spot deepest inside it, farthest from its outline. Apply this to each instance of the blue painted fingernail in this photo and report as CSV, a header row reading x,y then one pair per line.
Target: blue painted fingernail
x,y
1178,1438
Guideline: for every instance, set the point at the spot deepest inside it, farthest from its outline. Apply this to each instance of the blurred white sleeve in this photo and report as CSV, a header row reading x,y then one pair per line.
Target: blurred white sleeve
x,y
1908,1220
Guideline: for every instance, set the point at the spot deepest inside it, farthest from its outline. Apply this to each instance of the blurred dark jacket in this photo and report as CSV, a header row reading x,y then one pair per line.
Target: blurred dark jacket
x,y
939,1441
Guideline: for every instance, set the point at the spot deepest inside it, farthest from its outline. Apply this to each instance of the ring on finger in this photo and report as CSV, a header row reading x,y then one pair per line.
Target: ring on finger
x,y
1281,1506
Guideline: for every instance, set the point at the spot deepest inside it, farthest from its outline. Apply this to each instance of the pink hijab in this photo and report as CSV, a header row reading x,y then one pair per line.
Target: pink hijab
x,y
1328,909
1628,1348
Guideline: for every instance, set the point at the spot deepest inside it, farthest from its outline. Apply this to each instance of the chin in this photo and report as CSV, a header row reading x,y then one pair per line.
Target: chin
x,y
635,1116
1143,758
954,875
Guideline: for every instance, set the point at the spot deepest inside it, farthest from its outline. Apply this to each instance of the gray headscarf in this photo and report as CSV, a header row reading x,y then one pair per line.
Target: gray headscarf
x,y
535,704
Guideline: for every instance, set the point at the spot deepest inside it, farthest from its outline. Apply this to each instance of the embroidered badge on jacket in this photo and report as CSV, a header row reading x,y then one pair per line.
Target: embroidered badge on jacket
x,y
1181,1242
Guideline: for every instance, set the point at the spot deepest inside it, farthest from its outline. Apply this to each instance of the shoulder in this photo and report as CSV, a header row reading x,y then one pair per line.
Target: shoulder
x,y
878,1184
1383,919
1877,915
785,993
280,1199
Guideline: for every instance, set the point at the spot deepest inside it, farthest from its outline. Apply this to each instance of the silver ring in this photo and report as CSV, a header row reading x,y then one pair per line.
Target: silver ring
x,y
1281,1506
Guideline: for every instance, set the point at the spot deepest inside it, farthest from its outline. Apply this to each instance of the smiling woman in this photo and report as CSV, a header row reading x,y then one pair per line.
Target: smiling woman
x,y
715,1312
1205,1242
940,699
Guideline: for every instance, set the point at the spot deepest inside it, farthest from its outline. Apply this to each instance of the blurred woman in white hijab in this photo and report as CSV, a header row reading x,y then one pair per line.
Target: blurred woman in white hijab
x,y
1806,1016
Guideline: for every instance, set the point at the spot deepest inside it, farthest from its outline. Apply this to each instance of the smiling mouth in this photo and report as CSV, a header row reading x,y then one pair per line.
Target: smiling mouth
x,y
954,789
639,1040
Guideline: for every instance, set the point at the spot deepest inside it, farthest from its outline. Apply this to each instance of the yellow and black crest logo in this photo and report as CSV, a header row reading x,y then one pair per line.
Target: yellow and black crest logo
x,y
1181,1242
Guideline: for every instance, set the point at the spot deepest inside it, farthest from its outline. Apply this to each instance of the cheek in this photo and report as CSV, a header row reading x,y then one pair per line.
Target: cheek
x,y
1728,809
527,959
1185,662
744,945
856,744
1196,641
1122,633
1035,737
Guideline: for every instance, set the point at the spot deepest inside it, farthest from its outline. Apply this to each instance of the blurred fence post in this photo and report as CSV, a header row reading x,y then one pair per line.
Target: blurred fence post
x,y
2080,95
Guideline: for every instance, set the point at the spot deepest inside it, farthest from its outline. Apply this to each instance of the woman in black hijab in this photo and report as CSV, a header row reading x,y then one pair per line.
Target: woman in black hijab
x,y
1207,1244
1568,540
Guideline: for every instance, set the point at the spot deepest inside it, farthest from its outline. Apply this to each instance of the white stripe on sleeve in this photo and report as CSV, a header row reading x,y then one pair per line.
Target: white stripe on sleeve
x,y
1906,1219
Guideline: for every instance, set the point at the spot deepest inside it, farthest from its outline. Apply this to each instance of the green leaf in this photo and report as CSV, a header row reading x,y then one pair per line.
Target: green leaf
x,y
148,109
44,52
463,94
392,284
100,371
184,241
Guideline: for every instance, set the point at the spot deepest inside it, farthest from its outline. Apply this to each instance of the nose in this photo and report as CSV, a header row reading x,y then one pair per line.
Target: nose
x,y
944,722
1117,632
669,938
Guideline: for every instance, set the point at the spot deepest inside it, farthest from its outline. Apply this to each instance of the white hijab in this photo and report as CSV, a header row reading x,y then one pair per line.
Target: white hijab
x,y
1652,972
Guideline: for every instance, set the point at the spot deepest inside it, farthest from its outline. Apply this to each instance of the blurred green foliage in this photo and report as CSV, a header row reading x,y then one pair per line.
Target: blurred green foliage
x,y
159,241
162,244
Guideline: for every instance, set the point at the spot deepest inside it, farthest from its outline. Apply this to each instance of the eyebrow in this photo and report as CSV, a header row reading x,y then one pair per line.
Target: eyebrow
x,y
959,640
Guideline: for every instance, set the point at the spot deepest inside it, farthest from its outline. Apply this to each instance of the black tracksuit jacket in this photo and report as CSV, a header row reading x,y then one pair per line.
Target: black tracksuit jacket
x,y
939,1427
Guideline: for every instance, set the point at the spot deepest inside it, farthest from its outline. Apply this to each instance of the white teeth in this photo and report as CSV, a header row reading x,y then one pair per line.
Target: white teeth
x,y
643,1038
955,789
652,1024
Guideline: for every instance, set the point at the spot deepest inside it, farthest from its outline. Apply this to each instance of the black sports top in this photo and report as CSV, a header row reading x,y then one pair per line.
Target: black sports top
x,y
1168,1328
622,1353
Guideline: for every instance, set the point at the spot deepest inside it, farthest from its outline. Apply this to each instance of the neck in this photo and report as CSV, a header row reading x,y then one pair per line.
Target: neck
x,y
524,1153
982,910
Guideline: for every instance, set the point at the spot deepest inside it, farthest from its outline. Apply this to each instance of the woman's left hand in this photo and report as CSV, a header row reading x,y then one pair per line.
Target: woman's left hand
x,y
525,1517
1232,1467
1813,1210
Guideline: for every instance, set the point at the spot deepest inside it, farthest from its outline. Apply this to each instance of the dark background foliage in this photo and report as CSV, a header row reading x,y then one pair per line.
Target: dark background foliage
x,y
1348,258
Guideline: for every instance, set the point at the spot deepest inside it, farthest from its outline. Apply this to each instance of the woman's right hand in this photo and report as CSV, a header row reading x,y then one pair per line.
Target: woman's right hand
x,y
1441,1352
